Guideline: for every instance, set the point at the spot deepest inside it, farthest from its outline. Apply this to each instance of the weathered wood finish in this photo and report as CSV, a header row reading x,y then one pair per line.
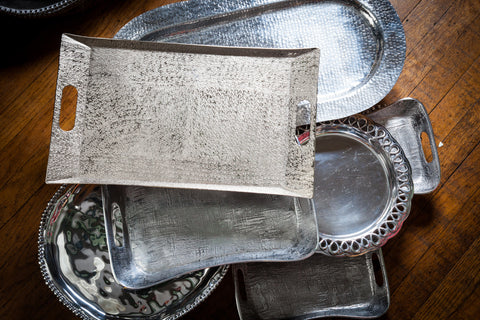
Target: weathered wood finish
x,y
433,264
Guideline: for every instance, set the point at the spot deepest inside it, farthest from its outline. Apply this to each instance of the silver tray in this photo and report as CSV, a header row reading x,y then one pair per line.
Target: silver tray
x,y
363,186
185,116
362,42
319,286
155,234
406,120
74,261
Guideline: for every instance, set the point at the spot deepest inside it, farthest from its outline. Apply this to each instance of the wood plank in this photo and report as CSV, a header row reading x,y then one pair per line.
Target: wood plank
x,y
28,54
404,8
434,45
456,231
21,274
444,301
421,19
470,308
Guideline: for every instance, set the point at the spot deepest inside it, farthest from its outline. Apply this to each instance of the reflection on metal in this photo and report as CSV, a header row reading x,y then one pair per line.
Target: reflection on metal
x,y
75,264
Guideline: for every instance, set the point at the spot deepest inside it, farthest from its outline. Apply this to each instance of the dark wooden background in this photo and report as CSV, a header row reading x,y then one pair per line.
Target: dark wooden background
x,y
433,264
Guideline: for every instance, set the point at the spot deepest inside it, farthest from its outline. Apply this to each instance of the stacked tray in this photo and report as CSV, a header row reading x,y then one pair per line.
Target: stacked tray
x,y
126,250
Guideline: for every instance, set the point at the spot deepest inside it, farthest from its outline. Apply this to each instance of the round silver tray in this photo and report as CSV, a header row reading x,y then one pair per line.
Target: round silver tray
x,y
75,264
363,186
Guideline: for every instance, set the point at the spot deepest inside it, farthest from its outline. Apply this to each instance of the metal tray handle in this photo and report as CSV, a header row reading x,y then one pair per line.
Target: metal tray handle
x,y
406,120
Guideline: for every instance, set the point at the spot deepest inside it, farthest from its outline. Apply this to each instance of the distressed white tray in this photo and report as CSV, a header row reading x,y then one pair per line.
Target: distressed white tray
x,y
173,115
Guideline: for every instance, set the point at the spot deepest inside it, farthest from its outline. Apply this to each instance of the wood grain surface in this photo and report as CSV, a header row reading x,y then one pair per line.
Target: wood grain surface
x,y
433,263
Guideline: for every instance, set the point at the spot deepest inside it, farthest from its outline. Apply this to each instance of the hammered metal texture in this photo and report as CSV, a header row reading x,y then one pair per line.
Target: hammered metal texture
x,y
406,119
362,42
155,234
363,186
75,264
185,116
319,286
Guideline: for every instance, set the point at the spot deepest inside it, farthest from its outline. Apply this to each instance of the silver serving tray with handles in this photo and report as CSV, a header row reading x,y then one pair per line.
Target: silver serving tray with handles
x,y
156,234
363,186
406,120
75,264
185,116
320,286
362,42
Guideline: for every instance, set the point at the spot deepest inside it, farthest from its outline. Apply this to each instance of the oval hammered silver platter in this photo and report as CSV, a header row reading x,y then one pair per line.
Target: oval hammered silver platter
x,y
363,186
155,234
362,42
75,265
319,286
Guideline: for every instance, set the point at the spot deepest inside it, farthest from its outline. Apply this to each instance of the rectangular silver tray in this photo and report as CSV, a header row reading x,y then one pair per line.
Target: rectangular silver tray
x,y
155,234
185,116
320,286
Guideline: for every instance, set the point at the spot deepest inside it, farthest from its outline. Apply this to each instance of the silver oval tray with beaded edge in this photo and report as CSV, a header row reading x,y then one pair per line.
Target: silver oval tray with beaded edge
x,y
362,42
74,260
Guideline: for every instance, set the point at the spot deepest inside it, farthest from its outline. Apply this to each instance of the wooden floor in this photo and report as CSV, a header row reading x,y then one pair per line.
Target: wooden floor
x,y
433,264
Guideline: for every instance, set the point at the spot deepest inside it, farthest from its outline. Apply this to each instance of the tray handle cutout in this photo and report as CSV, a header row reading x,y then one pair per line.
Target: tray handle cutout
x,y
116,228
303,122
242,291
68,108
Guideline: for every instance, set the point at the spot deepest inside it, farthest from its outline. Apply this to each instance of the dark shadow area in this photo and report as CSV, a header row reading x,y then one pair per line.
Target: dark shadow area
x,y
27,39
423,211
219,305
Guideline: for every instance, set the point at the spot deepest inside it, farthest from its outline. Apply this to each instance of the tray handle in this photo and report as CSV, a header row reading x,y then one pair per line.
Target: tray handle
x,y
406,120
116,230
65,144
